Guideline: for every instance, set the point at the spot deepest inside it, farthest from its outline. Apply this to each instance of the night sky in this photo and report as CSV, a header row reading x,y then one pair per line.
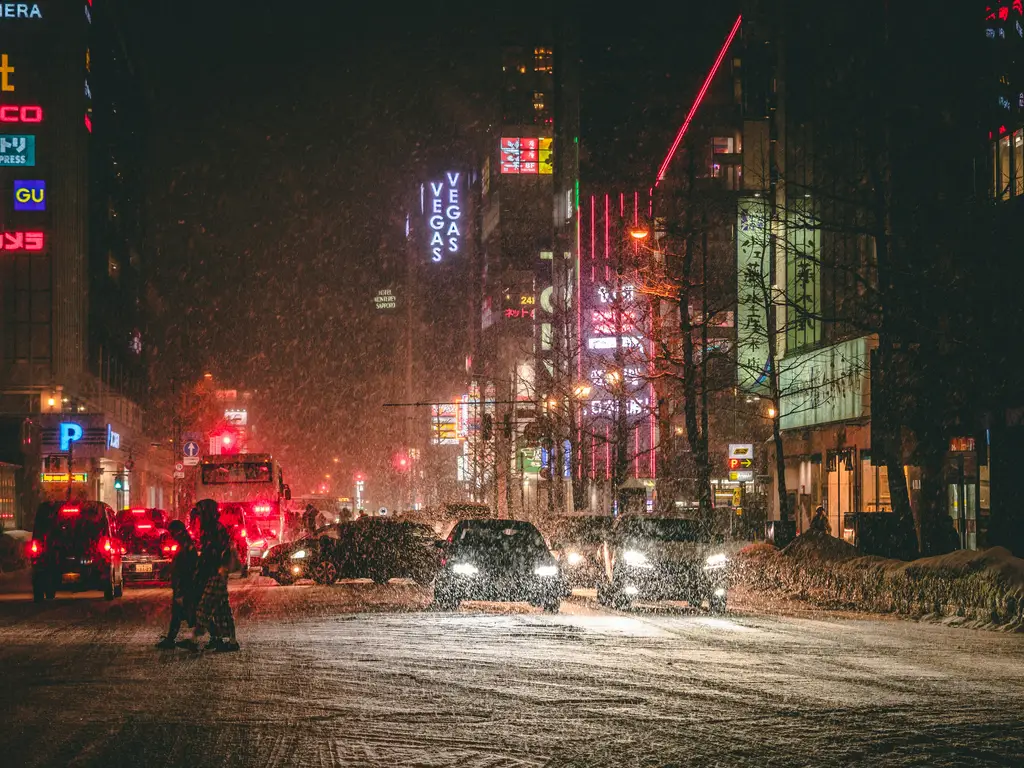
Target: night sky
x,y
282,137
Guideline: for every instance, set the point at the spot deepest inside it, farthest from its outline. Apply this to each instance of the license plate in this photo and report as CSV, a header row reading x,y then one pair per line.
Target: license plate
x,y
67,578
143,567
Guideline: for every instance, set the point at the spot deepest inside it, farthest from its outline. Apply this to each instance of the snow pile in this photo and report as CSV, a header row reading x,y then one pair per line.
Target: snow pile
x,y
12,553
985,587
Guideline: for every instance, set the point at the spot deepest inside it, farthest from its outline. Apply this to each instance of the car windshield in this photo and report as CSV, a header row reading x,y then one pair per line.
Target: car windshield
x,y
503,534
659,529
583,530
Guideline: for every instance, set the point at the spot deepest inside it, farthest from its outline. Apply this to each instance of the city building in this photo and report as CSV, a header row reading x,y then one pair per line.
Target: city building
x,y
72,350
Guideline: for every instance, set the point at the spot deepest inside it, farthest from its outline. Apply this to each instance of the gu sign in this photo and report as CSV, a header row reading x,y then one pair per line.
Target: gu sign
x,y
443,216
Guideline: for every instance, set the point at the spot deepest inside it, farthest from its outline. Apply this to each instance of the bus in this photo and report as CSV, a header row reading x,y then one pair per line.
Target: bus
x,y
249,486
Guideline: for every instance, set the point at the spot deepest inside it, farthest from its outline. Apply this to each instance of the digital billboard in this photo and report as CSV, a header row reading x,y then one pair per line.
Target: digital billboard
x,y
526,155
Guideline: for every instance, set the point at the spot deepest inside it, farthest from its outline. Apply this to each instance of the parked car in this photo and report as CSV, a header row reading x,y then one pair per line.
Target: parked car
x,y
148,548
498,560
664,558
75,546
576,544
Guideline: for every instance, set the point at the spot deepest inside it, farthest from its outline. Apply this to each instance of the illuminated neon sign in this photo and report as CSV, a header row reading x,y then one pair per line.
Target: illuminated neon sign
x,y
20,11
30,195
17,150
113,438
527,155
445,212
69,433
62,477
13,114
21,242
6,70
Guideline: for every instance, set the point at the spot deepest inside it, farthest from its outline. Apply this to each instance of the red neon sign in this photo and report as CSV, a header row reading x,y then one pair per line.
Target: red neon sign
x,y
698,100
21,242
13,114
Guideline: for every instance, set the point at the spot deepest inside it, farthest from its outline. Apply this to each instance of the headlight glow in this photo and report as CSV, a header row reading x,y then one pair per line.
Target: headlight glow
x,y
546,570
635,558
574,558
299,555
717,560
465,569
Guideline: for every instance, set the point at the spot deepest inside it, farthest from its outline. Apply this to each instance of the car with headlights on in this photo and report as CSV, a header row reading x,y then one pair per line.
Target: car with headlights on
x,y
500,561
664,558
576,542
313,556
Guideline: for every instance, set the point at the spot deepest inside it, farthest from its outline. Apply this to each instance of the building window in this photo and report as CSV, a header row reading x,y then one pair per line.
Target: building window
x,y
538,100
1018,162
1002,160
542,60
27,304
723,145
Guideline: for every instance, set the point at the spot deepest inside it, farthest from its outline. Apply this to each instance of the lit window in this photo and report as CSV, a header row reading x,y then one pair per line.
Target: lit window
x,y
538,100
542,60
1018,162
113,267
722,145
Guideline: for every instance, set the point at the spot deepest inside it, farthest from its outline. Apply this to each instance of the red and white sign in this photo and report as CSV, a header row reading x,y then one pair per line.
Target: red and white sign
x,y
13,114
21,242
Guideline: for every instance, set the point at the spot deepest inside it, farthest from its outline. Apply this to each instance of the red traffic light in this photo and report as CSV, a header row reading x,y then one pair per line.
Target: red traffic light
x,y
402,462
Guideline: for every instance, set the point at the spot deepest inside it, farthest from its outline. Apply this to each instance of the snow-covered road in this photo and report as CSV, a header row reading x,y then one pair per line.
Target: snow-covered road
x,y
357,674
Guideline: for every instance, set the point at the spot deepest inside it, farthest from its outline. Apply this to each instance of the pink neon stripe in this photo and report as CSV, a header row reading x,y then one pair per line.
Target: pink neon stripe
x,y
607,454
698,100
579,304
654,427
622,204
607,221
636,452
650,204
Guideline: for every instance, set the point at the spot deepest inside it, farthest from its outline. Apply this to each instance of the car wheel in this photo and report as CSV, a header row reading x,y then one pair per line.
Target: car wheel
x,y
51,593
611,597
717,605
552,605
37,594
380,578
325,573
119,590
446,601
108,591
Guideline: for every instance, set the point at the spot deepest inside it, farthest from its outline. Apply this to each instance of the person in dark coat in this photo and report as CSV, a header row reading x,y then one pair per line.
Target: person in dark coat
x,y
213,612
820,523
183,583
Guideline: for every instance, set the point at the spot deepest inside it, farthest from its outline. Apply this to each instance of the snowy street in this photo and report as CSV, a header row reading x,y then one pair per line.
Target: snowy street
x,y
357,674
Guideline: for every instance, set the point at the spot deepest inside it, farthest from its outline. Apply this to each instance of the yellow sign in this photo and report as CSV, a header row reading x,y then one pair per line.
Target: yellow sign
x,y
6,70
737,497
62,477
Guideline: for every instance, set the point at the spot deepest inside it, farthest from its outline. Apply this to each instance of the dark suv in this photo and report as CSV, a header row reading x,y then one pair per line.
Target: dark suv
x,y
75,546
501,561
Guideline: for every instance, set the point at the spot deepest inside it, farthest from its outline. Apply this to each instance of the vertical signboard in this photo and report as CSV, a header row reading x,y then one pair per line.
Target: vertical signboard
x,y
754,280
444,214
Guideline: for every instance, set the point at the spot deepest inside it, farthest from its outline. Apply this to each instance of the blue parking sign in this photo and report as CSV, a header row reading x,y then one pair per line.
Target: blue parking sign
x,y
17,150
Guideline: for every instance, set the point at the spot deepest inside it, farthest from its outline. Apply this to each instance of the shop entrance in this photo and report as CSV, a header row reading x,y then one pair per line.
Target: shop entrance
x,y
840,485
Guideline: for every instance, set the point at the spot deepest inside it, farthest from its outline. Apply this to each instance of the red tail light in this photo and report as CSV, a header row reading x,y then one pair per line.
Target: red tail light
x,y
170,548
35,548
242,533
143,526
262,508
69,511
138,511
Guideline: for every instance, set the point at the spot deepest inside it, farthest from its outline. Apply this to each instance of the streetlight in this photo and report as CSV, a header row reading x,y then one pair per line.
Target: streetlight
x,y
771,413
581,391
639,233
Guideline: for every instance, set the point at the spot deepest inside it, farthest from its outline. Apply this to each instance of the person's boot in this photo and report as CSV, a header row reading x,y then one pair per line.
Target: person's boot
x,y
166,644
228,645
215,644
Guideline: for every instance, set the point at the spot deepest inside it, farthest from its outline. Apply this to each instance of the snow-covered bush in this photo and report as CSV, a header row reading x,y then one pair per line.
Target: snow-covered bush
x,y
986,587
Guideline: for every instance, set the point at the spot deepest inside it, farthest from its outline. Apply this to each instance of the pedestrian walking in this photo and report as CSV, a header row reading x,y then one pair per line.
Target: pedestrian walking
x,y
213,612
183,583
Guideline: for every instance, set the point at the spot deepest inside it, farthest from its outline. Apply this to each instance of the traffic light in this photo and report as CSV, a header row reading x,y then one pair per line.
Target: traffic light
x,y
119,482
402,462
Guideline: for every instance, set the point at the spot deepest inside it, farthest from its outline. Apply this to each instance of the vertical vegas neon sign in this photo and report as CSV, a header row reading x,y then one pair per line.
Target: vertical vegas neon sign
x,y
445,212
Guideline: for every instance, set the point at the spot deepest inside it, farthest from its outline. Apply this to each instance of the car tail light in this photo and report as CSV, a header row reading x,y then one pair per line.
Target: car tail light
x,y
138,511
264,508
143,526
108,546
70,511
242,533
35,548
170,548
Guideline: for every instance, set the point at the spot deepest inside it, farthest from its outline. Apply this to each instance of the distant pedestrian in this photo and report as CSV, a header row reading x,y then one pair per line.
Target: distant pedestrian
x,y
820,523
213,612
183,583
312,515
